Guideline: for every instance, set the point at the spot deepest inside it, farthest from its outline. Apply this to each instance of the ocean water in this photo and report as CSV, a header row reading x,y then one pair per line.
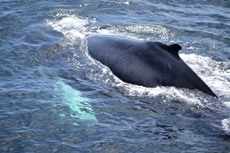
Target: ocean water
x,y
55,98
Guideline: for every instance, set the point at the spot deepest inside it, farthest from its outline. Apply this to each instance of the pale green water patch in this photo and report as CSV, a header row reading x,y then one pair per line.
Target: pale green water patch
x,y
79,106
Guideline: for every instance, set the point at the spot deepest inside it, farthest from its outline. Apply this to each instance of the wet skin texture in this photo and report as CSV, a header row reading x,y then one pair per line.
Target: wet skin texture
x,y
145,63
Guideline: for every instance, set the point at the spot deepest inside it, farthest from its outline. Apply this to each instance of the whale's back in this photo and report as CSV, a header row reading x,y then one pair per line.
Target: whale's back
x,y
145,63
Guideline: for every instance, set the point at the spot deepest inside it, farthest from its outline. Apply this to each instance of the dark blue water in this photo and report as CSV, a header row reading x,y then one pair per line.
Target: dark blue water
x,y
55,98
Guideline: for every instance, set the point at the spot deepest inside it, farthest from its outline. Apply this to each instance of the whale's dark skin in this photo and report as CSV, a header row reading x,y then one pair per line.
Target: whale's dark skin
x,y
145,63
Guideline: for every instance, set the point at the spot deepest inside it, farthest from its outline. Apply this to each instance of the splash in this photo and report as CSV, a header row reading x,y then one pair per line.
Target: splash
x,y
69,26
74,29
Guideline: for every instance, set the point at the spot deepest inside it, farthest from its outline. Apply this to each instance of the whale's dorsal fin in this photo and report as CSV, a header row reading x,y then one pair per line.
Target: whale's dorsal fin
x,y
174,49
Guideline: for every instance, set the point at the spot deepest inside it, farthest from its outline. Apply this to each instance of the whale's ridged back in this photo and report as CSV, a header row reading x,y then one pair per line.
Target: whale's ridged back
x,y
145,63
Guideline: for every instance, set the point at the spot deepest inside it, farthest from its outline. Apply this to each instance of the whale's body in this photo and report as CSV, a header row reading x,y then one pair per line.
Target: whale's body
x,y
145,63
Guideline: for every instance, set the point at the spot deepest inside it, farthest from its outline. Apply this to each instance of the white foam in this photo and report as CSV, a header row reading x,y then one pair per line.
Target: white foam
x,y
126,3
73,28
226,124
166,93
215,74
158,30
227,103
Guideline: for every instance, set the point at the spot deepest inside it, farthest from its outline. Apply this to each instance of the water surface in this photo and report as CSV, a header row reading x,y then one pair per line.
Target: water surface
x,y
55,98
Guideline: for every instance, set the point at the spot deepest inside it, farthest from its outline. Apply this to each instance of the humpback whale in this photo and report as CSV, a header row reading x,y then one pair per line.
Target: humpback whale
x,y
145,63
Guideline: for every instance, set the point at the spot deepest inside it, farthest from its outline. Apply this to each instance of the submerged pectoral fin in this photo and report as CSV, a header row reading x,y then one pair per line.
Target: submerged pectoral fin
x,y
79,105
